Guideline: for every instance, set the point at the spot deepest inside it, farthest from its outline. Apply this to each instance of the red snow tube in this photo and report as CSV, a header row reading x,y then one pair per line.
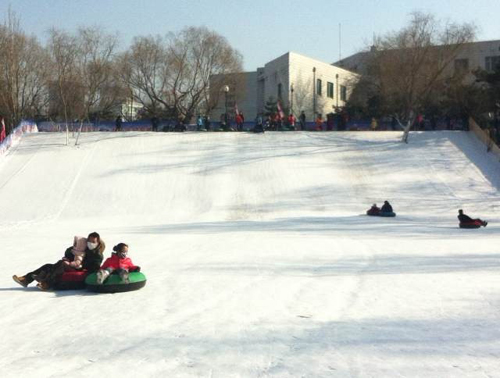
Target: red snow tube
x,y
473,224
73,280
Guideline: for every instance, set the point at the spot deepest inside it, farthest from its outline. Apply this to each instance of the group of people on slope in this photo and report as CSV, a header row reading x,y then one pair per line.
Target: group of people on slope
x,y
385,209
463,218
86,254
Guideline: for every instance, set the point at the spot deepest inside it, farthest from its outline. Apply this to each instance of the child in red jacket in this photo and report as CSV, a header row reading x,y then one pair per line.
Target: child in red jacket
x,y
119,263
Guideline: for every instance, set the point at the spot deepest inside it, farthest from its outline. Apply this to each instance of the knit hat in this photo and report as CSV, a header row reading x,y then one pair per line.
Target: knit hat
x,y
79,244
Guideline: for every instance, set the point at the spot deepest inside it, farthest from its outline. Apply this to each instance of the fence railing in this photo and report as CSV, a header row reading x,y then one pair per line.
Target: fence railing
x,y
484,136
15,136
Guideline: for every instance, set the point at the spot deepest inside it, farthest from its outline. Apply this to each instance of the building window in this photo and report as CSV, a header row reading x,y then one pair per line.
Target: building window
x,y
343,93
280,90
318,87
461,65
492,62
329,89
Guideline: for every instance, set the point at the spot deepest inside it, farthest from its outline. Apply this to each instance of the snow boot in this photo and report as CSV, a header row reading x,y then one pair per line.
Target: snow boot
x,y
101,276
21,280
43,286
124,276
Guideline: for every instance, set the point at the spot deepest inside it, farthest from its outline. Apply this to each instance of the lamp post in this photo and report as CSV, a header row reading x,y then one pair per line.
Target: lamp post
x,y
225,88
291,98
337,90
314,93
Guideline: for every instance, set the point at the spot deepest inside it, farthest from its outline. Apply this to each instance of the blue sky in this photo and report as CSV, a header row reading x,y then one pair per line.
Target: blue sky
x,y
260,29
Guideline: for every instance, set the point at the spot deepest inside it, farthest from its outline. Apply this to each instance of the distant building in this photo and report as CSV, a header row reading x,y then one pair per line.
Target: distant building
x,y
128,108
299,83
484,55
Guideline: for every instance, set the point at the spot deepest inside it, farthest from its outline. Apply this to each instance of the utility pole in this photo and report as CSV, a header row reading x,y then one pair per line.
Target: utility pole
x,y
314,93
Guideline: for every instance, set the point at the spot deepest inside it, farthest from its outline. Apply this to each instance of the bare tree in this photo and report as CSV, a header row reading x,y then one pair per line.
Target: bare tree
x,y
144,70
65,85
95,68
407,67
23,71
172,74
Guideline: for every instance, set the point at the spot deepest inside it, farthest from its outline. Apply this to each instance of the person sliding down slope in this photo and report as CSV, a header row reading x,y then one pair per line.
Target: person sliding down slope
x,y
465,219
119,263
386,207
374,210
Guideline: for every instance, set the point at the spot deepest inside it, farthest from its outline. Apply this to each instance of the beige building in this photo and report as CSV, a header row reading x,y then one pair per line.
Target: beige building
x,y
484,55
300,84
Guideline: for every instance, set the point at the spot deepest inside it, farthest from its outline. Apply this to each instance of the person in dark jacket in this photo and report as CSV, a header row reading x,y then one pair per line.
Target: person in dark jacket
x,y
463,218
386,207
47,274
374,210
94,254
302,120
81,255
118,123
154,123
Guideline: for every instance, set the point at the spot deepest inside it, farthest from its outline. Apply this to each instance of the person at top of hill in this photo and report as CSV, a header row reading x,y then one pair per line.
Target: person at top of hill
x,y
239,122
85,253
463,218
319,123
118,123
118,263
386,207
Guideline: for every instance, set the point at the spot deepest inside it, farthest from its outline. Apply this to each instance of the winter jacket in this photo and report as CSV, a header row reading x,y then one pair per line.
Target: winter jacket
x,y
115,262
386,208
464,218
76,254
93,257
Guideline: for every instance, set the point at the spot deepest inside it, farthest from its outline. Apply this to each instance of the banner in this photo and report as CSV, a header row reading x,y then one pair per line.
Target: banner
x,y
15,136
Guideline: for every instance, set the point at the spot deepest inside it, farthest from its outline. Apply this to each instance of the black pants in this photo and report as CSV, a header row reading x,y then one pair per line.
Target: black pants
x,y
48,273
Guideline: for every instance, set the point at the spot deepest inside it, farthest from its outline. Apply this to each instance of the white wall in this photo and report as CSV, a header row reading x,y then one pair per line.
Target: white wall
x,y
302,78
291,68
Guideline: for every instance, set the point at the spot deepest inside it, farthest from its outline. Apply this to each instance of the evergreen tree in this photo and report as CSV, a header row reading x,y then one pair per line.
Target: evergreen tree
x,y
271,107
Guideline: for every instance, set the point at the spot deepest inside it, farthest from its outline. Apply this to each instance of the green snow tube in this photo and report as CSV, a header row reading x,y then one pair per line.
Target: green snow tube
x,y
113,284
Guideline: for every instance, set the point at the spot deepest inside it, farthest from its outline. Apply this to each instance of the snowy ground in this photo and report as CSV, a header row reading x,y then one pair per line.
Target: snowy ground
x,y
259,260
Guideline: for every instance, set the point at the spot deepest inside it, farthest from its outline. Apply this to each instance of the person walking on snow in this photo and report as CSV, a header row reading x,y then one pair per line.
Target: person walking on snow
x,y
118,123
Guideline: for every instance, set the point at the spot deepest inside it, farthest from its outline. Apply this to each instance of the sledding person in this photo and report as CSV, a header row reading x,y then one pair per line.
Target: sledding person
x,y
386,208
48,274
466,219
86,253
118,263
374,210
94,254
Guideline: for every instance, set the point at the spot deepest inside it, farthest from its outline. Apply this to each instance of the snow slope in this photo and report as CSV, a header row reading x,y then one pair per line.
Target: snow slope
x,y
258,257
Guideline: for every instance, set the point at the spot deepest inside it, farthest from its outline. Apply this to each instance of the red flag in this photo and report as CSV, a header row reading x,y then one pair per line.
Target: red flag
x,y
280,110
2,132
236,111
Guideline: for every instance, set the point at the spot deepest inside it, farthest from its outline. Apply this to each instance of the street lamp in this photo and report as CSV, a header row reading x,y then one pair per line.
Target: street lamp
x,y
314,93
337,94
225,88
291,98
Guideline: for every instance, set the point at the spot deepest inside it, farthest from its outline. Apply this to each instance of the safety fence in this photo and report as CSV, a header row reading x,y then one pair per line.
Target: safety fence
x,y
15,136
485,137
